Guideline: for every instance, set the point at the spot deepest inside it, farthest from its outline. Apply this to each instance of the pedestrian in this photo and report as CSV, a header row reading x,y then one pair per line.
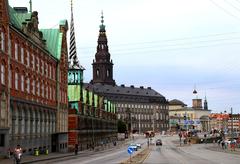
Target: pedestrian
x,y
76,149
18,154
223,144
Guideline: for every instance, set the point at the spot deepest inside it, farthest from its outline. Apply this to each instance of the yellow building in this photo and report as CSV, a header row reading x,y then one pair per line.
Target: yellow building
x,y
184,117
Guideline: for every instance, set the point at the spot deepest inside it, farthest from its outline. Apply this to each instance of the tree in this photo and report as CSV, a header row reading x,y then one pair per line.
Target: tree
x,y
122,128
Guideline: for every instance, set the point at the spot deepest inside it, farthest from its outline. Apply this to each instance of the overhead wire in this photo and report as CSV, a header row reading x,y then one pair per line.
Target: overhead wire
x,y
223,9
230,4
167,40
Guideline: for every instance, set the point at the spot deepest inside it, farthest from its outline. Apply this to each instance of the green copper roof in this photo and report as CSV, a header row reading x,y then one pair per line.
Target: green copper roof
x,y
53,39
74,92
17,19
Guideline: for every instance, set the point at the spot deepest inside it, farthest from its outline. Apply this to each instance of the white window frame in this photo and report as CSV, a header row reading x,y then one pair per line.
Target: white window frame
x,y
27,58
33,87
22,83
3,74
28,85
16,52
47,92
16,80
42,90
2,41
22,55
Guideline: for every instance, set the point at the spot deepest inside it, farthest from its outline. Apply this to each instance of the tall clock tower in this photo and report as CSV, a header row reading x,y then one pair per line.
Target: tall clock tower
x,y
102,65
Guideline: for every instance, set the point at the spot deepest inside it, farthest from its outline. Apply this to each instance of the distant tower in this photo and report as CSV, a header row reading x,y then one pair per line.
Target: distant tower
x,y
196,102
102,65
205,106
75,70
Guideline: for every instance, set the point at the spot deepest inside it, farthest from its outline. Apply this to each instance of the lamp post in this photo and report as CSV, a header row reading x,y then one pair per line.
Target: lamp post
x,y
139,124
93,115
232,123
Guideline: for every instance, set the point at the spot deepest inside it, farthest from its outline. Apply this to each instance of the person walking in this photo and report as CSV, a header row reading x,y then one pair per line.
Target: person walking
x,y
18,154
76,149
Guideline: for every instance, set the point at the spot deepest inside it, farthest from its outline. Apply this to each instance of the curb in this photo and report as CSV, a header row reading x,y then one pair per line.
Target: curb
x,y
140,161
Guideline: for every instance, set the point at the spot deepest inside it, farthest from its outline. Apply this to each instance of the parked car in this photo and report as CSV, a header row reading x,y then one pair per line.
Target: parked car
x,y
158,142
139,145
133,146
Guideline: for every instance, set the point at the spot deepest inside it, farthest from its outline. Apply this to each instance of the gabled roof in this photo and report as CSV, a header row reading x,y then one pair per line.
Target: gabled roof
x,y
53,39
17,18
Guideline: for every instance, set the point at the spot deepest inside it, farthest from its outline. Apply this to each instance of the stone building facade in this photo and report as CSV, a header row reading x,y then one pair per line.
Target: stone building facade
x,y
184,117
33,85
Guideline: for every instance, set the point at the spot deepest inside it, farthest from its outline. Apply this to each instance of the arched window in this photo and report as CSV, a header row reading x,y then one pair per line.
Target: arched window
x,y
16,80
47,91
2,41
22,54
97,72
3,106
50,93
38,88
43,90
3,73
16,51
33,87
28,84
27,57
108,73
22,83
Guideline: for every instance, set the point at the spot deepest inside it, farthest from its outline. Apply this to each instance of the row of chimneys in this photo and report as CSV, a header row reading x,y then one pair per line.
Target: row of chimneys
x,y
132,86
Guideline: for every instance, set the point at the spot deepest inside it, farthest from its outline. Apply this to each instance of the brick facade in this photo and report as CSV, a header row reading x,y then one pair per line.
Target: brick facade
x,y
33,85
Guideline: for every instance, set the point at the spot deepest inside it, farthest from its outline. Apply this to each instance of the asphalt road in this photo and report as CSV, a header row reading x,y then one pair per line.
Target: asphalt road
x,y
171,153
112,156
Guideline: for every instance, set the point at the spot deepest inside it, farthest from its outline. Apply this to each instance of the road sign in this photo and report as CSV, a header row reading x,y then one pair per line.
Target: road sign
x,y
130,150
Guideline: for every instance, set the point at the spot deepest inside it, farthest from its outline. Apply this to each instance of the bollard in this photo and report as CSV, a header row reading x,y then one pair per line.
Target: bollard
x,y
36,152
46,152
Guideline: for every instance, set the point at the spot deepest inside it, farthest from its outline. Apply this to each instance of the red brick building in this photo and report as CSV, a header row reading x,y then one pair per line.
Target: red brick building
x,y
33,88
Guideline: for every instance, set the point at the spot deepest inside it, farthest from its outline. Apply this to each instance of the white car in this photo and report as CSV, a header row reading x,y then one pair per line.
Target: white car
x,y
133,146
139,145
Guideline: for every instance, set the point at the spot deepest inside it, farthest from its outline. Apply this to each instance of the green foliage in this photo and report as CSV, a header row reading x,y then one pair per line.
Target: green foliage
x,y
122,128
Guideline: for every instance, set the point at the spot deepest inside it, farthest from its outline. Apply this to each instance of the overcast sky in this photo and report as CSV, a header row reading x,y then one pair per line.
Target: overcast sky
x,y
170,45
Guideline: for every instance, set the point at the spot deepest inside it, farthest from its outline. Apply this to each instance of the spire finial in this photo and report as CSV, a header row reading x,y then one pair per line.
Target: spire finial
x,y
102,21
71,6
30,3
194,91
102,26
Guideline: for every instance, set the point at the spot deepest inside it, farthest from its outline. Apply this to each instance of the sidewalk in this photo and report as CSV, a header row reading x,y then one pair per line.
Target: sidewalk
x,y
215,147
51,156
42,157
